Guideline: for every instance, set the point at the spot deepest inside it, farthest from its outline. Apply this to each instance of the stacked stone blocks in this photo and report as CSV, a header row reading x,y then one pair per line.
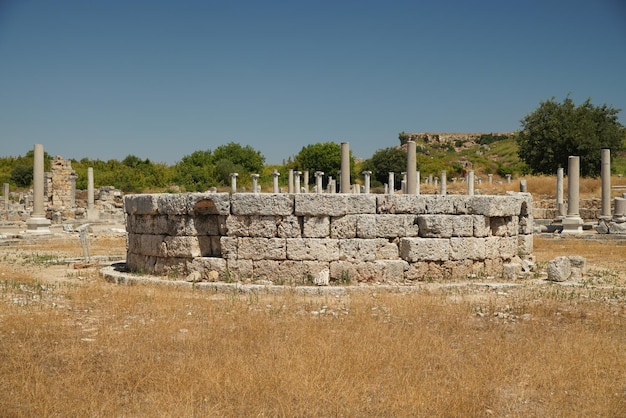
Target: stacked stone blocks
x,y
292,238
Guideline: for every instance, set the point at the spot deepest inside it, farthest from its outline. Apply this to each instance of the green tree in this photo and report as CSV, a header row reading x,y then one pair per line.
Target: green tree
x,y
324,157
247,157
554,131
195,172
22,175
383,161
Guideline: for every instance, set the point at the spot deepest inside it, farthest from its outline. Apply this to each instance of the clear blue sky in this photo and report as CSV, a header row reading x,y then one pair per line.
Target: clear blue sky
x,y
162,79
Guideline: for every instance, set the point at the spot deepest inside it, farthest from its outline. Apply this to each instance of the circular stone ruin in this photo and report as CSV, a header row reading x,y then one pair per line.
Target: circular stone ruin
x,y
340,238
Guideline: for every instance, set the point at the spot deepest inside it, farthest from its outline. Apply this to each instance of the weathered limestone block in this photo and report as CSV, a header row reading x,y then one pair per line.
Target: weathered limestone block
x,y
387,226
368,271
140,263
211,269
275,204
617,227
175,268
288,272
238,270
482,226
146,244
261,248
396,204
445,226
499,206
251,226
524,245
229,247
181,247
344,226
427,271
334,204
147,224
141,204
559,269
173,203
505,226
209,225
316,227
460,269
424,249
467,248
493,266
509,247
526,225
202,204
387,250
357,249
319,249
288,226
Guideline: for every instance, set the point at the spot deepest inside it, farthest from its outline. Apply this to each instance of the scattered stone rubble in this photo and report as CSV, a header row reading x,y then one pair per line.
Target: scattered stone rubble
x,y
562,269
328,238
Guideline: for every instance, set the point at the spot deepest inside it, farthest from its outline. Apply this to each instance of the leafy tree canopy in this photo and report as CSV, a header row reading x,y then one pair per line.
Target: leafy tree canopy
x,y
385,161
246,157
322,156
22,175
555,131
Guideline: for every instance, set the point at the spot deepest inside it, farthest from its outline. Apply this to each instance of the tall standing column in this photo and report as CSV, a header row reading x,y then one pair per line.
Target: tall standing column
x,y
560,207
318,181
255,183
91,213
366,180
344,182
417,182
391,186
275,175
296,183
573,223
306,181
470,183
606,183
444,182
290,181
411,168
233,182
90,196
37,223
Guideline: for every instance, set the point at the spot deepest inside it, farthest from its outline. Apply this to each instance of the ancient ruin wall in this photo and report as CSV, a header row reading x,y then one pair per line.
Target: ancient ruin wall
x,y
292,238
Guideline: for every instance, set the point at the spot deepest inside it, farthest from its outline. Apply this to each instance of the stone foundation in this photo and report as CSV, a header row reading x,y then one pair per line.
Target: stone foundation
x,y
294,238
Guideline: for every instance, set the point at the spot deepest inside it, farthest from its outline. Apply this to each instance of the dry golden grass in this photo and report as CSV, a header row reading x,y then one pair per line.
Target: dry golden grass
x,y
89,348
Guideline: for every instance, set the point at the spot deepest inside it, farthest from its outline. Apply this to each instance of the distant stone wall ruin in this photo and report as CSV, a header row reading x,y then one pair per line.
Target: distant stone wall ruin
x,y
293,238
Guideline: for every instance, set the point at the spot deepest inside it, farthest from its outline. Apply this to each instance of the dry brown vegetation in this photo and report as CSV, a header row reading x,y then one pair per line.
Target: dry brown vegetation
x,y
74,345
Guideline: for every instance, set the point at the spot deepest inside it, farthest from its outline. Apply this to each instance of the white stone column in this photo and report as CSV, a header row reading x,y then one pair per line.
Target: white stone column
x,y
508,179
417,182
290,181
606,183
444,181
560,207
411,168
318,181
296,182
366,180
391,182
573,223
90,195
344,183
37,223
522,186
275,175
403,183
233,182
255,183
470,183
306,181
490,177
